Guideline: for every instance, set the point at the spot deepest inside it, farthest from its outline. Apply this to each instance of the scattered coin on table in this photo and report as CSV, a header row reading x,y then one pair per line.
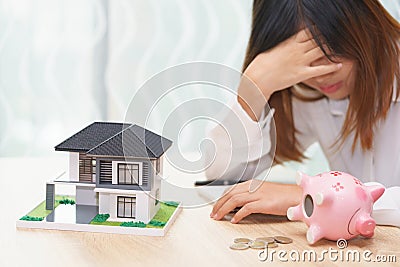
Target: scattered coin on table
x,y
283,239
258,244
239,246
266,239
242,240
272,245
242,243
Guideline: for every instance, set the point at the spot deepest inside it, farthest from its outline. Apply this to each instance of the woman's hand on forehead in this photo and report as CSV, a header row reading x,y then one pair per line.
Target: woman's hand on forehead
x,y
289,63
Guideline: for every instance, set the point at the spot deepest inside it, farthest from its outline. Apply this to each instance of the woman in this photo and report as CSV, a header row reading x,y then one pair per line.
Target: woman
x,y
329,69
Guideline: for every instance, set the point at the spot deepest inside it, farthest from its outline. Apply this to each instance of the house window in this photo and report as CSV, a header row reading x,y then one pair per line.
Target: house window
x,y
93,170
126,207
105,172
93,166
85,168
129,174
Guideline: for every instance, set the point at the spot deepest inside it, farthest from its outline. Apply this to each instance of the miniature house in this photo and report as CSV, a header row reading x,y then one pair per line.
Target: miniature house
x,y
116,167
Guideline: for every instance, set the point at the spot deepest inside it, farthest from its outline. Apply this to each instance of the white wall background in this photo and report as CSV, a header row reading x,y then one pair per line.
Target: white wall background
x,y
66,63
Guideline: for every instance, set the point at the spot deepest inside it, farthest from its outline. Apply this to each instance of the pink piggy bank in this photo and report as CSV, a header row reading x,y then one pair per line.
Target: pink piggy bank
x,y
335,205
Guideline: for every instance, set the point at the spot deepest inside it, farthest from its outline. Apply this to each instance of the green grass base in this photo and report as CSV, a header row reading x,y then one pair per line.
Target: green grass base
x,y
109,223
163,215
40,210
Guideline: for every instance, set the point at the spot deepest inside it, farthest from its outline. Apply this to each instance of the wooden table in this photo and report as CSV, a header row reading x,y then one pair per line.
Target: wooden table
x,y
193,240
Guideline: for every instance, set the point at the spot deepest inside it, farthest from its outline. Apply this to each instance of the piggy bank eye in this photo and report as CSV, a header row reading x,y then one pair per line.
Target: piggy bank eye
x,y
308,205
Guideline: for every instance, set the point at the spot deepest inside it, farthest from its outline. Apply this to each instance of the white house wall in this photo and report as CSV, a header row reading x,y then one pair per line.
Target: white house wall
x,y
104,203
86,196
154,165
161,165
74,166
151,200
108,204
142,207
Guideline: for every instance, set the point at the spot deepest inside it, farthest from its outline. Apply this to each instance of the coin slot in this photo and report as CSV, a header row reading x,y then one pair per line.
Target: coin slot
x,y
308,206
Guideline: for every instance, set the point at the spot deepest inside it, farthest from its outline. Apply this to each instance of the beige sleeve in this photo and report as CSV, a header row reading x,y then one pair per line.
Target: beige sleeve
x,y
241,146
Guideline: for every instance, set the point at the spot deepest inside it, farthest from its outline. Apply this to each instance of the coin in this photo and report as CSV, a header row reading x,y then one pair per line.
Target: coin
x,y
272,245
239,246
266,239
244,240
283,239
258,244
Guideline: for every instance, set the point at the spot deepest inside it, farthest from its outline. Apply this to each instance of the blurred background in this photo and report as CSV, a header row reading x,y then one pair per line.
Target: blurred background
x,y
66,63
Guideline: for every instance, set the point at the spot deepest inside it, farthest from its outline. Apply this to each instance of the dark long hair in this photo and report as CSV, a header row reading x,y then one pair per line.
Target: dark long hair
x,y
362,31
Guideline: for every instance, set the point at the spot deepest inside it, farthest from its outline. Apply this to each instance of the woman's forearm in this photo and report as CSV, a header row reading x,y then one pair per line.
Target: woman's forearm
x,y
251,99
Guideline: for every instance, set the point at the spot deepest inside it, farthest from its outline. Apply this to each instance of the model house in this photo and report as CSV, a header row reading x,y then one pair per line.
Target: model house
x,y
116,167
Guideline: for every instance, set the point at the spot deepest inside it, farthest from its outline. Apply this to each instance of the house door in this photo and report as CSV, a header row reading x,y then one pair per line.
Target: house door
x,y
126,207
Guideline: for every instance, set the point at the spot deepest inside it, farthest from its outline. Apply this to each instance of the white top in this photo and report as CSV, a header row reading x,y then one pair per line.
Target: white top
x,y
319,121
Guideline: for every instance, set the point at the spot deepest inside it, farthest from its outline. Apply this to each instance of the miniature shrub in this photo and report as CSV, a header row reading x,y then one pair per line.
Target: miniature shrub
x,y
133,224
156,223
31,218
171,203
101,217
67,201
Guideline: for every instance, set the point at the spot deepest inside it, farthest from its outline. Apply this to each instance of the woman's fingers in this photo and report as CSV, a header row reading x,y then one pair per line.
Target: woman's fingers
x,y
303,36
314,54
270,198
218,205
237,200
236,189
309,45
249,208
320,70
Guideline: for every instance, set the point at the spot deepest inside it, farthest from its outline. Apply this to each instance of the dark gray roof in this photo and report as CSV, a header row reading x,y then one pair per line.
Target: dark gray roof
x,y
107,139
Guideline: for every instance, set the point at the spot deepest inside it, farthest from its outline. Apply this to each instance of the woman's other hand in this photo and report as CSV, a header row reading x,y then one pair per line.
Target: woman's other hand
x,y
268,198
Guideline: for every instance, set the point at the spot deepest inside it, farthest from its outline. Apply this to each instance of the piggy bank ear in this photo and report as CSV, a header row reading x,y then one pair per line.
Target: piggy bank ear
x,y
301,178
376,191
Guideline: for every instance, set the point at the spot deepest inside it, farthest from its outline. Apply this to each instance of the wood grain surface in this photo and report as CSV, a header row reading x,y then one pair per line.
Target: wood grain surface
x,y
194,239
